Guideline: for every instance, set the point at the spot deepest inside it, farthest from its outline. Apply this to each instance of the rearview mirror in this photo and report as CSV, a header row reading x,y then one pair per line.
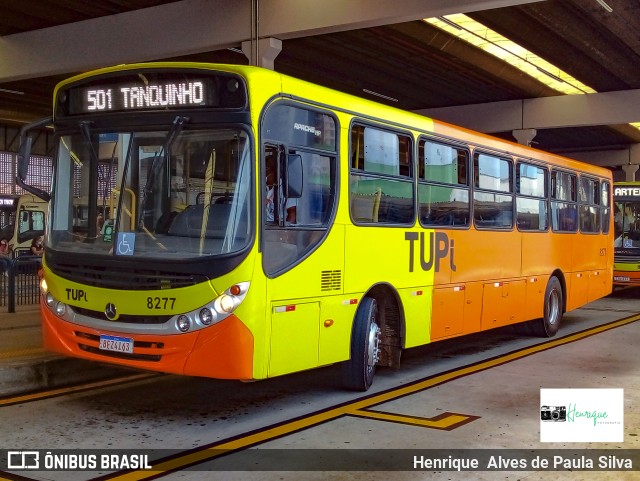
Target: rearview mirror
x,y
24,154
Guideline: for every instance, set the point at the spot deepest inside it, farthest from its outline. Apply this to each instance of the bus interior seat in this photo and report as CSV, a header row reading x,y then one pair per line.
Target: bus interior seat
x,y
226,199
365,207
189,221
399,210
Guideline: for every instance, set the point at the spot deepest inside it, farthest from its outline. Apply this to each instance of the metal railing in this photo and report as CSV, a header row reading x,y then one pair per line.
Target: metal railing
x,y
19,281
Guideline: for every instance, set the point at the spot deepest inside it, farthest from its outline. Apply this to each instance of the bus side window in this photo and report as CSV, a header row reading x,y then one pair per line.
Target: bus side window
x,y
293,226
605,207
493,196
531,197
443,190
381,181
296,210
589,205
564,208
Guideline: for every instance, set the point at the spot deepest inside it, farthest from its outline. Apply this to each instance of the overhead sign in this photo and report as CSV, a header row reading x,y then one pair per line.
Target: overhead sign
x,y
626,191
134,97
162,90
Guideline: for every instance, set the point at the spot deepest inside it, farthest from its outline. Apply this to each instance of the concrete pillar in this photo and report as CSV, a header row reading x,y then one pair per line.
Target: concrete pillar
x,y
630,172
634,154
524,136
268,50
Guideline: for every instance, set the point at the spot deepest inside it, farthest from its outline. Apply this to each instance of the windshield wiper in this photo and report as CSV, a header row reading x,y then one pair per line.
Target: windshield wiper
x,y
174,131
85,128
86,132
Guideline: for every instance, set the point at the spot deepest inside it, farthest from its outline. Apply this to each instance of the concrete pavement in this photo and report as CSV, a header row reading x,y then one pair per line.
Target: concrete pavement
x,y
24,364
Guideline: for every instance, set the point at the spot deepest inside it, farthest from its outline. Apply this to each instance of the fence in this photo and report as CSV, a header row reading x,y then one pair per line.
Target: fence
x,y
19,281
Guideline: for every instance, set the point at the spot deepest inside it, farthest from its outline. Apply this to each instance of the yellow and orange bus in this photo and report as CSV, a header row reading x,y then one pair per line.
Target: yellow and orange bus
x,y
626,204
262,225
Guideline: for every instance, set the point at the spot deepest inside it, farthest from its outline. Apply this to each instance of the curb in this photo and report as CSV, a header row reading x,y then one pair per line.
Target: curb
x,y
21,377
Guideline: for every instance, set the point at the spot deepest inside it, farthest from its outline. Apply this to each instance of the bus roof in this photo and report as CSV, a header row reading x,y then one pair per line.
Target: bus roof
x,y
360,107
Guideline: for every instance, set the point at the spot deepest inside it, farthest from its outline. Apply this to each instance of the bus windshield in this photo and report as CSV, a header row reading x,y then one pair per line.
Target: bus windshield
x,y
171,193
627,224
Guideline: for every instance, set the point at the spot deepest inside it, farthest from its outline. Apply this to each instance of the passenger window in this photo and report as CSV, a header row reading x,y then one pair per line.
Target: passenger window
x,y
564,209
563,186
492,198
531,201
605,208
589,194
381,187
443,190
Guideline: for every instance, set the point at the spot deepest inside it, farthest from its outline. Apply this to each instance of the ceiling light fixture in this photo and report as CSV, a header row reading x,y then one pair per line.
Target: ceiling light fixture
x,y
482,37
371,92
604,5
449,22
465,28
9,91
549,74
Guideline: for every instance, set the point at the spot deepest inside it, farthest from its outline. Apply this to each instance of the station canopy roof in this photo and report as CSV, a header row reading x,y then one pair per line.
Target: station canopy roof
x,y
496,52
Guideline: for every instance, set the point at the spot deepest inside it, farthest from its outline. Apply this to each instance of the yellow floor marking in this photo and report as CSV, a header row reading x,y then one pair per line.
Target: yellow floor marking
x,y
358,407
72,389
214,451
22,352
445,421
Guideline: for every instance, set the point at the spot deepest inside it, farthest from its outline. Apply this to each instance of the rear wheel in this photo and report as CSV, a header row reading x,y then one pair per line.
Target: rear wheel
x,y
365,347
549,324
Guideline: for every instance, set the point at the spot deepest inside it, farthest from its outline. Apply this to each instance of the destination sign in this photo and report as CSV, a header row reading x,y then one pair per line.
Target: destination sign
x,y
8,201
626,191
152,91
144,97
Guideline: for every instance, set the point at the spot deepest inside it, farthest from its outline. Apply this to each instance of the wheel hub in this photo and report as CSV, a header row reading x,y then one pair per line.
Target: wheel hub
x,y
373,353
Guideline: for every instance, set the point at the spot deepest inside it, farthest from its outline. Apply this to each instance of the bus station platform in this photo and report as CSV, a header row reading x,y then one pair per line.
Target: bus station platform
x,y
24,364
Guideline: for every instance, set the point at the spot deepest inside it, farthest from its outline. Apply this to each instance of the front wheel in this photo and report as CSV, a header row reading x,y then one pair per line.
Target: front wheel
x,y
549,324
365,347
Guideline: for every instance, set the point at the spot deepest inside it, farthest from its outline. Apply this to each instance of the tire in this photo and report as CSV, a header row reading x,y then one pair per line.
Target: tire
x,y
360,369
549,324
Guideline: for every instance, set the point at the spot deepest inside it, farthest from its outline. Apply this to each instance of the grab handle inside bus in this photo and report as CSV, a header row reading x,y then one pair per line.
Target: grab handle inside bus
x,y
24,154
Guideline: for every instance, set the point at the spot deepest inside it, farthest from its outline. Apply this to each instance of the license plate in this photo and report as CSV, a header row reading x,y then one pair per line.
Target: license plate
x,y
621,279
116,344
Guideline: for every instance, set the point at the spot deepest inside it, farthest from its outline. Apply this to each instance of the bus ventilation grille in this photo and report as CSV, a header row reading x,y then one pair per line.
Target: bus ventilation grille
x,y
331,281
120,278
128,318
626,259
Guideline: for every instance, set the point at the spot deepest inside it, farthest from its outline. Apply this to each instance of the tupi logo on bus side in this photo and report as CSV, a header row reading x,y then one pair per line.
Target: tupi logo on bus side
x,y
440,246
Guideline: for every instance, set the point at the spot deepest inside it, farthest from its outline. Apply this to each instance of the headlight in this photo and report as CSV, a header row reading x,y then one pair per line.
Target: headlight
x,y
183,323
50,300
206,316
61,308
215,311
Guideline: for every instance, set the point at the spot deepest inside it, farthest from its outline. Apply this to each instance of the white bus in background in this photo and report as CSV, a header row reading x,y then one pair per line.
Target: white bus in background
x,y
22,218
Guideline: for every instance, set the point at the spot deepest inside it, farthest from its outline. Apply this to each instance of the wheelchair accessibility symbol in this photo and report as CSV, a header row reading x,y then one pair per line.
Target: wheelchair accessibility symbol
x,y
126,243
